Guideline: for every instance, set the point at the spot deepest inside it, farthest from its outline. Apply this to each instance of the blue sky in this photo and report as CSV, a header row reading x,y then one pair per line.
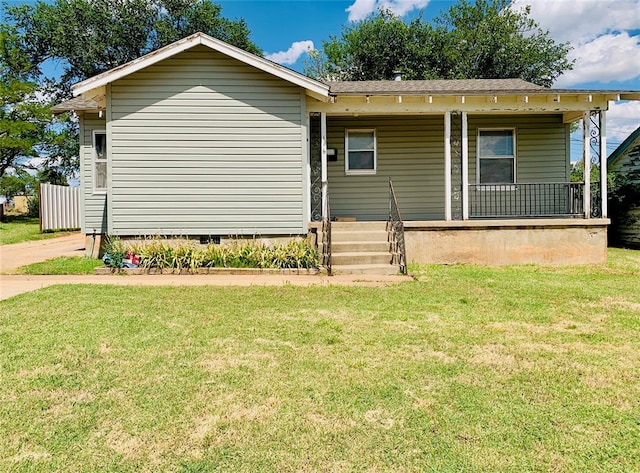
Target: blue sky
x,y
605,35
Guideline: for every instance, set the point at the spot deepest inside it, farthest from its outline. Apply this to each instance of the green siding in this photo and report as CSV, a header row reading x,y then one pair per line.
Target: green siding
x,y
541,146
627,163
410,150
203,144
93,206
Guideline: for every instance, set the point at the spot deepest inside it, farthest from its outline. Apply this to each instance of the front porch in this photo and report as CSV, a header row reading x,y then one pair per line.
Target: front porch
x,y
445,207
428,158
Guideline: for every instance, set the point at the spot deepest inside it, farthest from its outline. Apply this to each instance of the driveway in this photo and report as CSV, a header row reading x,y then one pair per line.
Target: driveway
x,y
20,254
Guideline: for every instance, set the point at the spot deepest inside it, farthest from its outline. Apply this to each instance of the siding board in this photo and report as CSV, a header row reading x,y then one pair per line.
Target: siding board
x,y
215,149
93,206
411,151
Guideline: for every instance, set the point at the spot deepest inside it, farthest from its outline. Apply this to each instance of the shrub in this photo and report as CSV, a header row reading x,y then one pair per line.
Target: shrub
x,y
115,251
183,255
33,206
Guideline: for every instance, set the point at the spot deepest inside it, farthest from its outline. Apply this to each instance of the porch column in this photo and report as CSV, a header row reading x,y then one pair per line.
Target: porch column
x,y
323,161
447,166
603,162
586,160
465,168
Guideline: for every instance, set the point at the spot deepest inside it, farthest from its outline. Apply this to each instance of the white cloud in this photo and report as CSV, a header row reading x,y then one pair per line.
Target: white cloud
x,y
610,57
291,55
361,8
579,21
623,118
602,48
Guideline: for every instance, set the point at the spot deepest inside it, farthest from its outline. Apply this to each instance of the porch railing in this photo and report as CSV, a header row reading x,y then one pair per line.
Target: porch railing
x,y
326,235
556,199
395,227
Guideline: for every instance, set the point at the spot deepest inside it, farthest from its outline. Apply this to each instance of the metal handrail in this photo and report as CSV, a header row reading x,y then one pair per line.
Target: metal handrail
x,y
526,200
395,227
326,234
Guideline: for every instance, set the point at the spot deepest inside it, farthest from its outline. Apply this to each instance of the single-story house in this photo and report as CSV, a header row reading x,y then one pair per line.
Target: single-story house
x,y
204,140
626,160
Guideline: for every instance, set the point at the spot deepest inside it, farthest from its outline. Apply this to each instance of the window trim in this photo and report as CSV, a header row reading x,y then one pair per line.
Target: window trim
x,y
95,160
360,172
514,157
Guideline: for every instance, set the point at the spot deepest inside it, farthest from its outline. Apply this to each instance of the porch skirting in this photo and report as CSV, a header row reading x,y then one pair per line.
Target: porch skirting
x,y
507,242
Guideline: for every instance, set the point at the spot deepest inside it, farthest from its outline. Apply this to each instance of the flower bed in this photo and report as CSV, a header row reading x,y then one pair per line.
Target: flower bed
x,y
182,256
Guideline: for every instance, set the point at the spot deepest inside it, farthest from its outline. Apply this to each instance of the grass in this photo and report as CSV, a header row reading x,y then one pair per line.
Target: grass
x,y
18,229
466,369
62,265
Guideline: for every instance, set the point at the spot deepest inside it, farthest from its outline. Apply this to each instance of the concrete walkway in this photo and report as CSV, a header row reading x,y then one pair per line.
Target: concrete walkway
x,y
14,256
22,254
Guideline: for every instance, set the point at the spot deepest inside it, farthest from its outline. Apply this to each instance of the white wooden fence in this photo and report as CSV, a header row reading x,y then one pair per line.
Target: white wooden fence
x,y
59,207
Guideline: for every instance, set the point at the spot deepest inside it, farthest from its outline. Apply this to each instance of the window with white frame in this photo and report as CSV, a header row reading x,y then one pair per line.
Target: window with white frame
x,y
99,161
496,156
360,155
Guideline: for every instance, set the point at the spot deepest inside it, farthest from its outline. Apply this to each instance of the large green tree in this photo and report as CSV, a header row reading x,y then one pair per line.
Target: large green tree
x,y
83,38
23,115
88,37
483,39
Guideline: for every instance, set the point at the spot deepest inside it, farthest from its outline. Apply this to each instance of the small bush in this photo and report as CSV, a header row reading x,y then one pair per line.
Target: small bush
x,y
33,206
115,251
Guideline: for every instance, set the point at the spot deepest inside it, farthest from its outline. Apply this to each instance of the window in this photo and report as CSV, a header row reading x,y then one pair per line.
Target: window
x,y
360,156
496,157
99,161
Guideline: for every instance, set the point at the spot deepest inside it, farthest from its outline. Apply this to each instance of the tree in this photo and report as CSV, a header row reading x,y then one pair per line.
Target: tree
x,y
375,48
481,40
489,39
20,183
27,129
88,37
85,37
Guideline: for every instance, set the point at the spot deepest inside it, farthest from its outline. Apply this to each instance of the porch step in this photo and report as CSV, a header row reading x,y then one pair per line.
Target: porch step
x,y
360,257
344,236
361,248
358,226
377,246
380,269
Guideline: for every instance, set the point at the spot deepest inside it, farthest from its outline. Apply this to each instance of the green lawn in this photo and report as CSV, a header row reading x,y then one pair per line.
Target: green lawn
x,y
62,265
20,228
466,369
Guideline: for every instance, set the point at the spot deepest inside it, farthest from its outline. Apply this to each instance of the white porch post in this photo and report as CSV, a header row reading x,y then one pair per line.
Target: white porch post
x,y
603,162
447,166
323,160
465,168
586,160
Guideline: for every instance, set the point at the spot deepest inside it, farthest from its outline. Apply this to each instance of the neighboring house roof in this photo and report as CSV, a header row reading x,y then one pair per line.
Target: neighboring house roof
x,y
189,42
629,147
459,87
77,103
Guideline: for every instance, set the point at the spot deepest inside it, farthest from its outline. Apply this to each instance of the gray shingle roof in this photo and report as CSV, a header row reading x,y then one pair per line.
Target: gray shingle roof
x,y
434,87
76,104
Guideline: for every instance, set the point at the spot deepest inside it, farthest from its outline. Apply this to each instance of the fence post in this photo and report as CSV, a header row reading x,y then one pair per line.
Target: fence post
x,y
40,205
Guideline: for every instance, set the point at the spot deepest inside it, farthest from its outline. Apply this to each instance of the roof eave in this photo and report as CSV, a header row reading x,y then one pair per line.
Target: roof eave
x,y
189,42
619,151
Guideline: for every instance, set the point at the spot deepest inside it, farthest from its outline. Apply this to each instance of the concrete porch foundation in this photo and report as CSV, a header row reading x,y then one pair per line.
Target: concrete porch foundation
x,y
507,242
